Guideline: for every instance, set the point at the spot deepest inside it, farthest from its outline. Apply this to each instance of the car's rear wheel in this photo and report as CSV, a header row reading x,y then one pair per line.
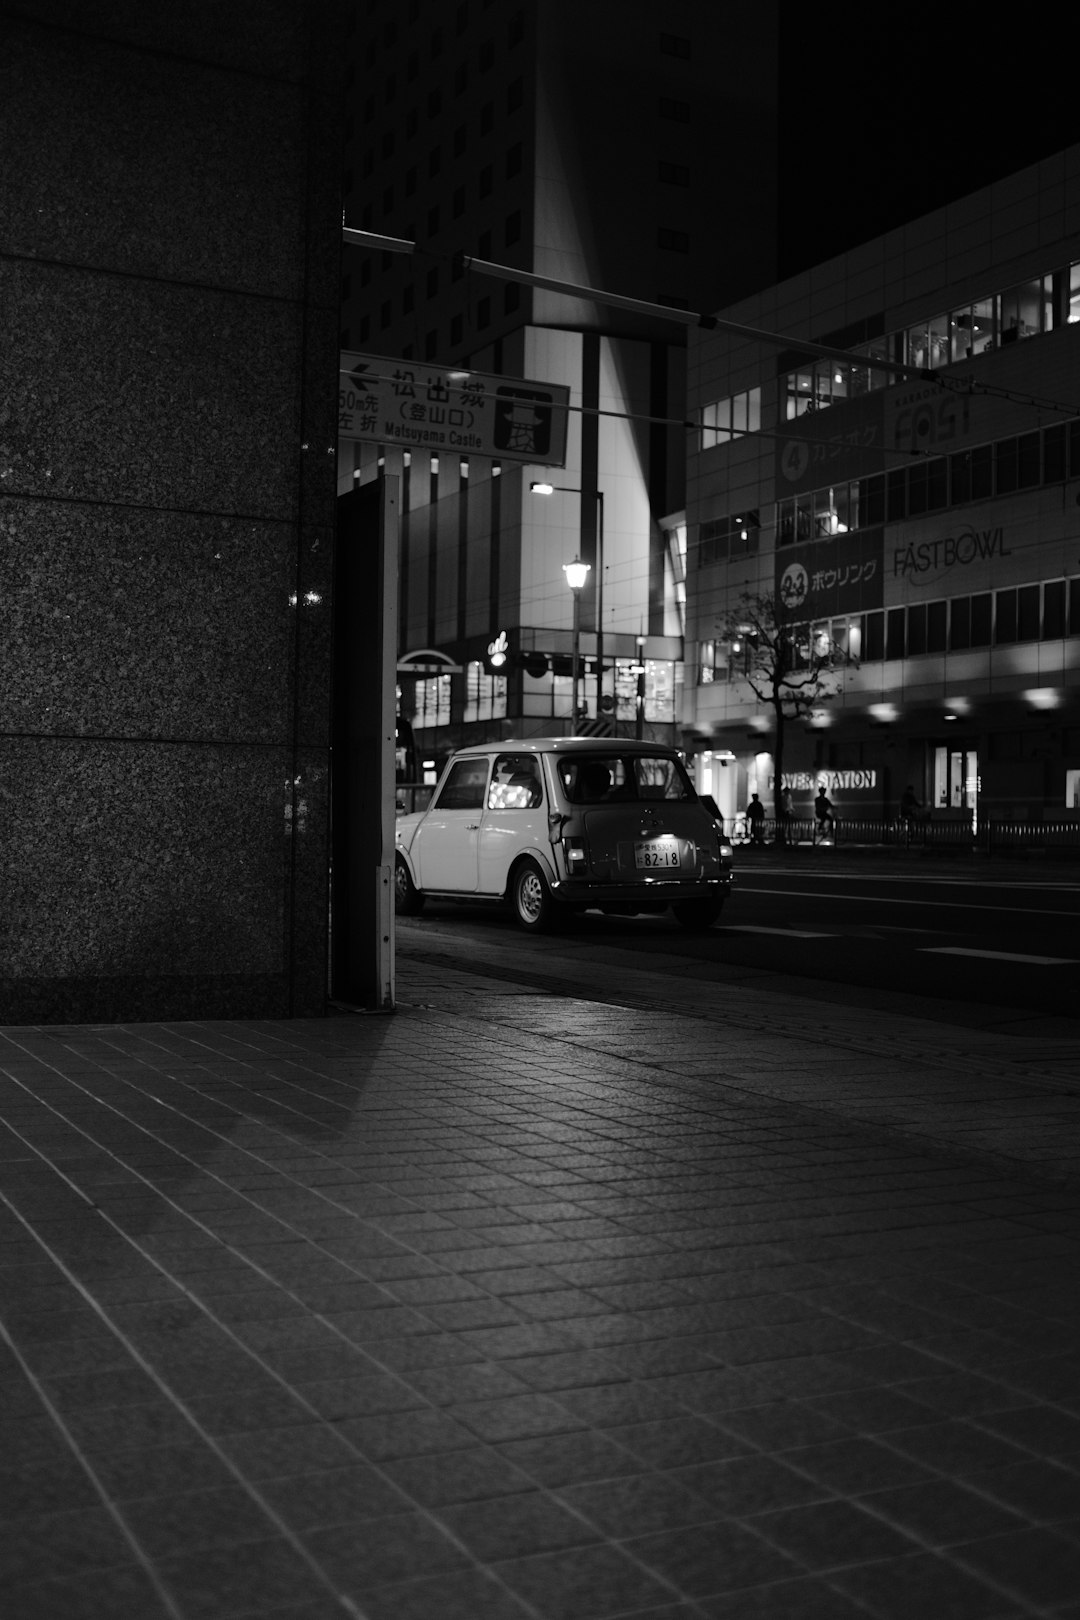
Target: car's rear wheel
x,y
408,900
530,899
697,915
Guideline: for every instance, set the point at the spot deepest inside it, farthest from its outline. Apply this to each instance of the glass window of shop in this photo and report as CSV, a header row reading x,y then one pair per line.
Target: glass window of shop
x,y
1073,311
1026,310
432,702
485,695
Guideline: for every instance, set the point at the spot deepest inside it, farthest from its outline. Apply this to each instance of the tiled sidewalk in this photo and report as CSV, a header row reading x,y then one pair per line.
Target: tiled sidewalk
x,y
512,1306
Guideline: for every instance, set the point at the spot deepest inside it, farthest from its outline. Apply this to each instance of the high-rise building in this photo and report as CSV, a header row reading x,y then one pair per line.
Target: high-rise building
x,y
609,145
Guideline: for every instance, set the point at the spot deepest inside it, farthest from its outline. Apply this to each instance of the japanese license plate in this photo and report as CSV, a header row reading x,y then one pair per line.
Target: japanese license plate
x,y
658,854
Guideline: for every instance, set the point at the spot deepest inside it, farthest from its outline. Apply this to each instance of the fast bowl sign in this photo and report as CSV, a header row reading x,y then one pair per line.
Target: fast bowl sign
x,y
473,413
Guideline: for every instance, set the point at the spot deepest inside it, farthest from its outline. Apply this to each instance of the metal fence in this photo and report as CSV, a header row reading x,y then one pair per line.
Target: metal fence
x,y
988,837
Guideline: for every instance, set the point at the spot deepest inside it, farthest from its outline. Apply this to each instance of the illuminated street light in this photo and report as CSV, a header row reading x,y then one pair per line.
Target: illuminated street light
x,y
577,572
543,488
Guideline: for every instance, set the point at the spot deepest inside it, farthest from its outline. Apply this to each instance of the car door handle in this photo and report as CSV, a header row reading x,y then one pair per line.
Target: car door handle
x,y
472,826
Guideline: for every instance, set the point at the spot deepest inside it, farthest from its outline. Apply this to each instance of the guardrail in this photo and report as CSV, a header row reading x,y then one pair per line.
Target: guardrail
x,y
988,837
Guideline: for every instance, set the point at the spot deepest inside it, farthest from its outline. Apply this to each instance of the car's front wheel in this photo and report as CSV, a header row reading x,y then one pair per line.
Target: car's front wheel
x,y
408,900
530,899
697,915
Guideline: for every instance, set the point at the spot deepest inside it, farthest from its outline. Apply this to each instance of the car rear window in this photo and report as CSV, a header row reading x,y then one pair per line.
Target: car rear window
x,y
611,778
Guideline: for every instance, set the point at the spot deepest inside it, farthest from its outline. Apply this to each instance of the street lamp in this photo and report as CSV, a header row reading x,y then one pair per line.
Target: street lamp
x,y
577,572
540,488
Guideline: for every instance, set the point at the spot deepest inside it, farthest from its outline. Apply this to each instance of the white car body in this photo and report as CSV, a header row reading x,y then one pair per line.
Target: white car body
x,y
531,823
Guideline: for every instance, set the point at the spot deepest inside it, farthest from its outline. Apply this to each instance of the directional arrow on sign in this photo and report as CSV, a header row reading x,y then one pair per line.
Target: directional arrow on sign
x,y
357,380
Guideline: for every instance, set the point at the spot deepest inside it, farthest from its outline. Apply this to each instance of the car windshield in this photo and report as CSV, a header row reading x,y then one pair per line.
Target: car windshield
x,y
614,778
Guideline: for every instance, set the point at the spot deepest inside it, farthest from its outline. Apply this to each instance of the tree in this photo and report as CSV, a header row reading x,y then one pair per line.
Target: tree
x,y
784,662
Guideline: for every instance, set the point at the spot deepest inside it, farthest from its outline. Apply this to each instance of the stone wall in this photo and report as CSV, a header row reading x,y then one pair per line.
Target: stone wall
x,y
169,270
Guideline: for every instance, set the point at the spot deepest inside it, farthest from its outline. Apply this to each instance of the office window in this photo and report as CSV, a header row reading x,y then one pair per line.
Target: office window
x,y
916,629
724,419
896,494
982,607
1053,452
673,174
483,313
960,624
872,499
514,96
936,616
894,633
982,472
459,200
675,45
1004,618
511,298
461,139
1054,600
874,638
1028,460
677,111
432,283
487,118
1074,608
457,329
1005,466
1026,310
513,160
484,183
673,241
512,228
1027,613
487,56
431,343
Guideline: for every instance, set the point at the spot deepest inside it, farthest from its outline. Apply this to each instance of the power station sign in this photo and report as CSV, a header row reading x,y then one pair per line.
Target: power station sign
x,y
469,413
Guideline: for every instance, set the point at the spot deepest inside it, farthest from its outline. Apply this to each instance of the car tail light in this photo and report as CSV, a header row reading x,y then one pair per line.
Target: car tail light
x,y
574,851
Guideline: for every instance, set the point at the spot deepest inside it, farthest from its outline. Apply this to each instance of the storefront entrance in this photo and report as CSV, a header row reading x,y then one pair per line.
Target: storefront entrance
x,y
956,780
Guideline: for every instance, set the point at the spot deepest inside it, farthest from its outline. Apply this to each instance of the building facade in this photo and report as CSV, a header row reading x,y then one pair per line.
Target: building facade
x,y
478,130
919,529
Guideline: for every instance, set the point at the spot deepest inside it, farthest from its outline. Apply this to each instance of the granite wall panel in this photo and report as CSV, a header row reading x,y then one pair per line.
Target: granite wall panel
x,y
240,140
169,261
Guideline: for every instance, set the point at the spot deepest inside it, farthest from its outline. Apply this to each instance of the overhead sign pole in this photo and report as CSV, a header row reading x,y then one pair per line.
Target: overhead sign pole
x,y
681,317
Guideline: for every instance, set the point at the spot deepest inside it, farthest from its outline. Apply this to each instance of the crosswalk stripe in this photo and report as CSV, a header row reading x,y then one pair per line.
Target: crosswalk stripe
x,y
785,933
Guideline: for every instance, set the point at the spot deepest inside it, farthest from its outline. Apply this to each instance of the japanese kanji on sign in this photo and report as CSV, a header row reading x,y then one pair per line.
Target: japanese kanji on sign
x,y
473,413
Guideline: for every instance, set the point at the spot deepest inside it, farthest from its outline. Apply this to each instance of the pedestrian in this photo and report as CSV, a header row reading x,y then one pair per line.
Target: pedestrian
x,y
910,805
823,810
787,810
755,819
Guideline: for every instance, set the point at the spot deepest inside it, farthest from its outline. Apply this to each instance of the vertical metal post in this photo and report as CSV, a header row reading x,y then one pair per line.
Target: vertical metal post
x,y
576,663
599,600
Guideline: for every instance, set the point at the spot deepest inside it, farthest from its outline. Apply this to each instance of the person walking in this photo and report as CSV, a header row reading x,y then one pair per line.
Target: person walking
x,y
755,819
787,810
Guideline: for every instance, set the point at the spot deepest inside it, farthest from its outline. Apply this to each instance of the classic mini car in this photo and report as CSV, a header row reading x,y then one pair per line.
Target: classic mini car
x,y
557,825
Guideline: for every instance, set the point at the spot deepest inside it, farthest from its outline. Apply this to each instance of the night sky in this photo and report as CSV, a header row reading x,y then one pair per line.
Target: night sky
x,y
887,114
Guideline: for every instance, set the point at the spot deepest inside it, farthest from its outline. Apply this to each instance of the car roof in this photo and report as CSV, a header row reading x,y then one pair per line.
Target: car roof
x,y
567,745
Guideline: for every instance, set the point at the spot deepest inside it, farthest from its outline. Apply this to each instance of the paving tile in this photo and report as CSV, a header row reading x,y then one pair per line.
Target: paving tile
x,y
378,1551
517,1526
1038,1565
804,1598
742,1486
897,1588
458,1476
582,1583
467,1594
829,1535
127,1592
702,1559
634,1504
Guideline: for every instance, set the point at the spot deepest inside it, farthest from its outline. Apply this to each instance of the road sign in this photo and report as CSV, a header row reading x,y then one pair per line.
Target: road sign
x,y
471,413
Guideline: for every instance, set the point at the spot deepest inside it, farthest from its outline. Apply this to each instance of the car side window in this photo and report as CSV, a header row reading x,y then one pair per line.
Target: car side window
x,y
464,786
515,783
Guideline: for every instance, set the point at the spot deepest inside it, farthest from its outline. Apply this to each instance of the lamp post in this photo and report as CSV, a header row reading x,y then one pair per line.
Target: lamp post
x,y
569,489
577,572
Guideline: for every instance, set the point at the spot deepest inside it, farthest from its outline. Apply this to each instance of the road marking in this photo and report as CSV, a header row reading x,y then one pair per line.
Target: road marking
x,y
786,933
997,956
900,900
